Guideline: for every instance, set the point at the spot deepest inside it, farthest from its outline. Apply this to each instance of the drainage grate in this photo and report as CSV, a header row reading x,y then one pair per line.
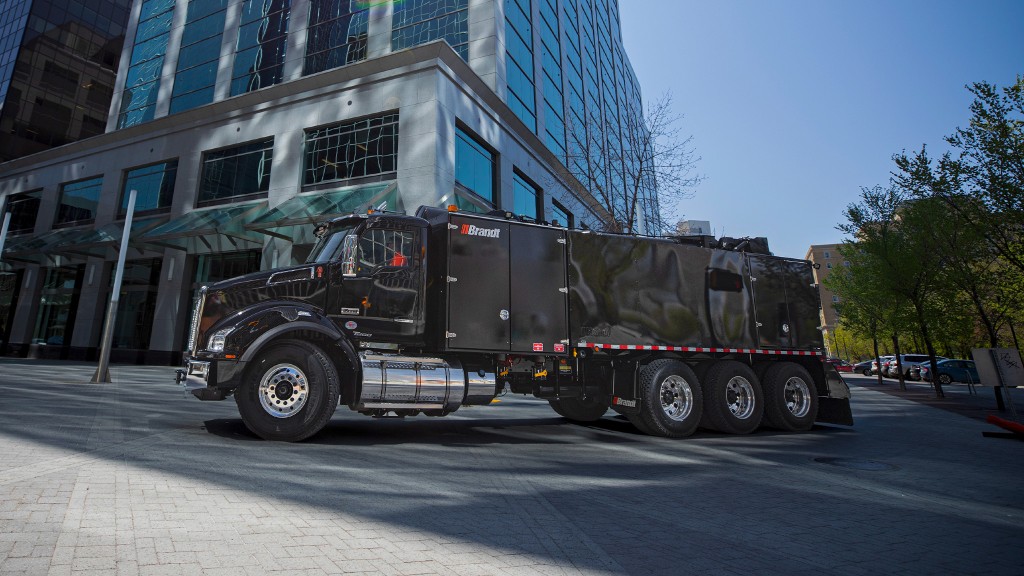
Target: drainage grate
x,y
856,464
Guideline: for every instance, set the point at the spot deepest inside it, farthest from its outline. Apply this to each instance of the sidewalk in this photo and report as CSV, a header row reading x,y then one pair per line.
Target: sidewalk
x,y
958,398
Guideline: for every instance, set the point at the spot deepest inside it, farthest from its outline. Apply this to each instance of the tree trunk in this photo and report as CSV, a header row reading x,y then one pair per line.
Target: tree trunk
x,y
878,359
896,351
931,351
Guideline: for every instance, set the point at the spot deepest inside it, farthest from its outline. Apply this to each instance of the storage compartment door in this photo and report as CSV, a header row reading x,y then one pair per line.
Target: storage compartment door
x,y
478,285
768,285
539,313
804,306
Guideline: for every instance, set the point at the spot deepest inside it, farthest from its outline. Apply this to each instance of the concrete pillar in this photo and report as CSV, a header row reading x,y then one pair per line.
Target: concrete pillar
x,y
295,52
170,317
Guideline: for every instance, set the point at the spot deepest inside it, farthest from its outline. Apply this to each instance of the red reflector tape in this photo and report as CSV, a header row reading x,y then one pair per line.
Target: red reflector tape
x,y
702,349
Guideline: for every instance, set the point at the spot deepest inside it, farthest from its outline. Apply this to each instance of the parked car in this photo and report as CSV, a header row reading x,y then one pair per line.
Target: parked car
x,y
863,367
878,364
841,365
953,370
906,362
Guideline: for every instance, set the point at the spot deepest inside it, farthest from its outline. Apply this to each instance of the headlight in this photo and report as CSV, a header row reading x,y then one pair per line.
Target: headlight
x,y
217,340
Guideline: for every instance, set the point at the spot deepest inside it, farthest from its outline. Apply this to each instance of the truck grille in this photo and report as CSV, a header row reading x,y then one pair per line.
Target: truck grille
x,y
197,313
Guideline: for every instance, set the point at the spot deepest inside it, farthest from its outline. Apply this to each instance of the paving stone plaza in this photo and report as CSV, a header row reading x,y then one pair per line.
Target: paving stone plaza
x,y
136,478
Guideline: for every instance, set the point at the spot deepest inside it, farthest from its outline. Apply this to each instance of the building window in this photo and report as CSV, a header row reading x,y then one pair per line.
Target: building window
x,y
417,22
138,102
24,209
137,304
336,35
238,171
57,303
561,216
199,55
828,265
356,149
474,166
519,61
846,263
260,51
78,201
155,185
526,198
827,254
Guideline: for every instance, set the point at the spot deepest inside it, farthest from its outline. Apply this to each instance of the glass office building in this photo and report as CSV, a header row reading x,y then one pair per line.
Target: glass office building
x,y
58,67
242,123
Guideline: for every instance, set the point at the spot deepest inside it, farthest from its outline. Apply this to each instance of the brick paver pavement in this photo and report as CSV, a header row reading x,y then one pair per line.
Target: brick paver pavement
x,y
135,478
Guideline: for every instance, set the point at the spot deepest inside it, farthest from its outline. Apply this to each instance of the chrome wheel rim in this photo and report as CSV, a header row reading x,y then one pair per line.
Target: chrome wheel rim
x,y
676,398
739,395
798,397
283,390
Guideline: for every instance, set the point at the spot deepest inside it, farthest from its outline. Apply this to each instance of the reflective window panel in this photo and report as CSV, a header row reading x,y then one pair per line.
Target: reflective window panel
x,y
78,201
237,171
24,209
474,166
138,102
519,61
155,185
199,55
336,35
525,197
355,149
260,50
417,22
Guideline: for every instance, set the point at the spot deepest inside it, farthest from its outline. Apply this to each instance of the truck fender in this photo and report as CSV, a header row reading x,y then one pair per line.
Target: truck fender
x,y
257,345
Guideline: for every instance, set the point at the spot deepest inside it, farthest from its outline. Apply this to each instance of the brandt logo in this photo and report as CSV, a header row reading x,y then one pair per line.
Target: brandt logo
x,y
470,230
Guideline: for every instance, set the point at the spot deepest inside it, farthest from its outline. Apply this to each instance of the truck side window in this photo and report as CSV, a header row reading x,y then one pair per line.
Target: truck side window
x,y
385,248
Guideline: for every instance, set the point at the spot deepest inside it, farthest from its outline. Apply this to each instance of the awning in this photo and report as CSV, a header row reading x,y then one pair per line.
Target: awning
x,y
294,219
51,248
210,230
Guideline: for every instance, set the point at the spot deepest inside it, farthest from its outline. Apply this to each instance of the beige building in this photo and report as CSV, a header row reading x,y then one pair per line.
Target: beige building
x,y
826,257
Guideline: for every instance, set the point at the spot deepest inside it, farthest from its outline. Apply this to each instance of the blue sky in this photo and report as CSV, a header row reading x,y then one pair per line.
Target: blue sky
x,y
794,105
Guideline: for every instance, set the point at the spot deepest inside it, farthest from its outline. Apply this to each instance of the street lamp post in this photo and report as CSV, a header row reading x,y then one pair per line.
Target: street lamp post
x,y
103,370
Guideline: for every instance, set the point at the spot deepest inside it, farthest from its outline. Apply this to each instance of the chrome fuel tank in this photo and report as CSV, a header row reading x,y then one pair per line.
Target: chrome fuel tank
x,y
396,382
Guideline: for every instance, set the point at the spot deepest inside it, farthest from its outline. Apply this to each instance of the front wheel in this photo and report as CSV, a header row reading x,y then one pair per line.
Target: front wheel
x,y
289,393
671,401
945,379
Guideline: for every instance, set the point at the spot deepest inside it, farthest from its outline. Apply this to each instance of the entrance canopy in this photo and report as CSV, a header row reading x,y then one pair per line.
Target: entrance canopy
x,y
294,219
211,230
55,246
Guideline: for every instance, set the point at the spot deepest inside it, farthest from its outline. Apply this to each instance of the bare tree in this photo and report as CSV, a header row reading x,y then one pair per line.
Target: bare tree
x,y
637,164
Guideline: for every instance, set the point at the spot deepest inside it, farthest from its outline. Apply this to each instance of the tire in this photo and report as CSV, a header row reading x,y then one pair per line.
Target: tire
x,y
271,410
579,410
671,400
790,398
733,400
945,379
866,372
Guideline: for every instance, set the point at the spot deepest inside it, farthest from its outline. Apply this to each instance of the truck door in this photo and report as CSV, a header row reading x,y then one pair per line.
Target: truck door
x,y
478,284
768,286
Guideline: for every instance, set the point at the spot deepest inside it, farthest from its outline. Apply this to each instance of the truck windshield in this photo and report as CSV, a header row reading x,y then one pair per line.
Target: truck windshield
x,y
330,247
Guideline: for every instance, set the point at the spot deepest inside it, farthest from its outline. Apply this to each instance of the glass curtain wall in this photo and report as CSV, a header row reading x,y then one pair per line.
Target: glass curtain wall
x,y
336,35
24,209
138,103
519,61
196,75
137,304
417,22
551,63
262,41
526,198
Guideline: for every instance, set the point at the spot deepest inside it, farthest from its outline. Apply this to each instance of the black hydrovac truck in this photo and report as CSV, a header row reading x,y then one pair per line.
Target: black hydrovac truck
x,y
397,315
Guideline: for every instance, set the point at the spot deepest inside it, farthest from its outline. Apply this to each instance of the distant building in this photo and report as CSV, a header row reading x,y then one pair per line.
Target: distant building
x,y
693,228
58,67
826,258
